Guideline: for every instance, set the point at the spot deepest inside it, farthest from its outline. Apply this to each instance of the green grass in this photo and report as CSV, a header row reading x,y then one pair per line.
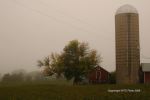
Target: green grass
x,y
52,91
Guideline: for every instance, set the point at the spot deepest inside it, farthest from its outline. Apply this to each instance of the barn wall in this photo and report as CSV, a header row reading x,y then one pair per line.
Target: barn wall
x,y
104,75
147,77
95,78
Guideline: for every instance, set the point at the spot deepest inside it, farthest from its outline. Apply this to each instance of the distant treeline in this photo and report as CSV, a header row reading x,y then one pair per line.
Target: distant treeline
x,y
22,76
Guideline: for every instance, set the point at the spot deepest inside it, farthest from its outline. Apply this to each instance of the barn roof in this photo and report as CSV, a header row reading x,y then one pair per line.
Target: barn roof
x,y
145,67
97,66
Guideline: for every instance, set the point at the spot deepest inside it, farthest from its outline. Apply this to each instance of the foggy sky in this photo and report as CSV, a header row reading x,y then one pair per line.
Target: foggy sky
x,y
32,29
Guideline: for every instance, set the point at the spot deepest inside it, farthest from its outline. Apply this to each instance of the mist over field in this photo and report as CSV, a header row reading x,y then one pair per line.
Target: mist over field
x,y
32,29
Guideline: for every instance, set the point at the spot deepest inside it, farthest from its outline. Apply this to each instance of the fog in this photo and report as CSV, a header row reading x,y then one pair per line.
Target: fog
x,y
32,29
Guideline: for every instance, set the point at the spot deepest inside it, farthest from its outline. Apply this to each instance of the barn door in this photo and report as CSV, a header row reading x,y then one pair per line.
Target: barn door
x,y
98,75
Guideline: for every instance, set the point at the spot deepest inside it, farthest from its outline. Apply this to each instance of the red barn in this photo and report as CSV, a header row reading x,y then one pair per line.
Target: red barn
x,y
98,75
146,72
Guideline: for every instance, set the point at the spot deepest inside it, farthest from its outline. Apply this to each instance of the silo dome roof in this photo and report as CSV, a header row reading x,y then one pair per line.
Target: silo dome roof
x,y
126,9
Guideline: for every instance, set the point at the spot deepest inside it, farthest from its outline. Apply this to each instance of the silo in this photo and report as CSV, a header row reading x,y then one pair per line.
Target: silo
x,y
127,45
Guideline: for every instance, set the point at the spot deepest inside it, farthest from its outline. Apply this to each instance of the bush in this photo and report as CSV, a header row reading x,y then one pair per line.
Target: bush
x,y
112,78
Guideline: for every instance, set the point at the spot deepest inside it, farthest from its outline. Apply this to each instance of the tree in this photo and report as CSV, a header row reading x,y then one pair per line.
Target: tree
x,y
112,78
14,77
74,62
46,64
6,77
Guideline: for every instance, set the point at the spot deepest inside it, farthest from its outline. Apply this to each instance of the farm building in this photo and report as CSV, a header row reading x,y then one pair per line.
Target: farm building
x,y
127,45
146,72
98,75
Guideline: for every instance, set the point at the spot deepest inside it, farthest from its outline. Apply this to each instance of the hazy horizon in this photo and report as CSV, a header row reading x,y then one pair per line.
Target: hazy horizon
x,y
33,29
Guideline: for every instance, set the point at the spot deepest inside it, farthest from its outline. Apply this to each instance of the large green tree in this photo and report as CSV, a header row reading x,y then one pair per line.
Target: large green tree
x,y
76,60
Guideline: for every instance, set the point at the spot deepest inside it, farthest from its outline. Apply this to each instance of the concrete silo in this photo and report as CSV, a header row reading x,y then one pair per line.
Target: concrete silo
x,y
127,45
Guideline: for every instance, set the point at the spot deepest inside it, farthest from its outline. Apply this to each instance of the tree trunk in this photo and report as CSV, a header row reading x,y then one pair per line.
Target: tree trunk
x,y
76,81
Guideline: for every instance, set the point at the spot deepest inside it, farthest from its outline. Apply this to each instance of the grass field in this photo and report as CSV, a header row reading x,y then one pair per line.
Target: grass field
x,y
51,91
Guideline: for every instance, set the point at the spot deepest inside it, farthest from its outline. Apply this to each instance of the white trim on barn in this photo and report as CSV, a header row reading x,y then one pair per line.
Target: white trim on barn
x,y
100,75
